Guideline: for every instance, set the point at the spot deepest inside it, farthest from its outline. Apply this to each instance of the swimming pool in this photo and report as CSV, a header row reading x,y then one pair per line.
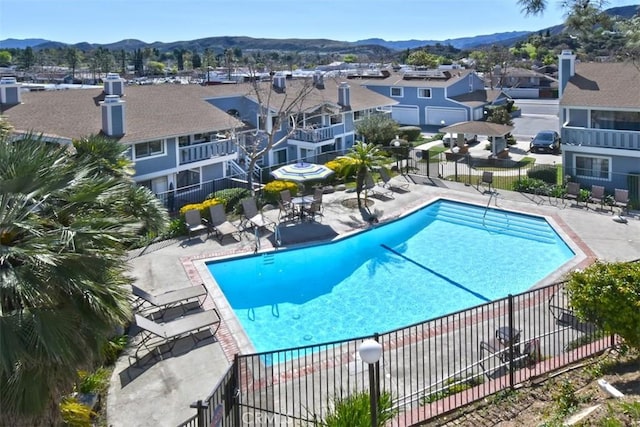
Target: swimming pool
x,y
440,259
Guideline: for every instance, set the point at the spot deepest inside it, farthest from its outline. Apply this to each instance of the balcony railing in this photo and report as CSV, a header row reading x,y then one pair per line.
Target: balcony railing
x,y
313,135
604,138
207,150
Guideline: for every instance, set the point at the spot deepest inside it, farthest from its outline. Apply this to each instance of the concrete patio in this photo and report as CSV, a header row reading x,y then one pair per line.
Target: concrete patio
x,y
160,393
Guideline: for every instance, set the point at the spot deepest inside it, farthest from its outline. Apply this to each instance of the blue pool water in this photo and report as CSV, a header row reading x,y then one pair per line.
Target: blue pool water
x,y
443,258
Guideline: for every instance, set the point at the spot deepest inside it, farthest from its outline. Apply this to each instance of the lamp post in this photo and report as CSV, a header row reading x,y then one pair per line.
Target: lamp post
x,y
370,352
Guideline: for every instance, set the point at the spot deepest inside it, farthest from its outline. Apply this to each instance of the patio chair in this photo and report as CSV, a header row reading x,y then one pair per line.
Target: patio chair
x,y
317,194
195,222
597,195
287,207
314,210
252,217
155,334
144,302
375,189
220,225
573,192
388,183
486,179
621,199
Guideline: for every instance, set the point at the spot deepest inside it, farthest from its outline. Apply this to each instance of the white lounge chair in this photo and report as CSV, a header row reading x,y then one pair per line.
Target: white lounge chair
x,y
154,334
146,303
390,184
375,189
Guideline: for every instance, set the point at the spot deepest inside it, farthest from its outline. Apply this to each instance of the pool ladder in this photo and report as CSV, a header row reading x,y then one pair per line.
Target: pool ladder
x,y
486,209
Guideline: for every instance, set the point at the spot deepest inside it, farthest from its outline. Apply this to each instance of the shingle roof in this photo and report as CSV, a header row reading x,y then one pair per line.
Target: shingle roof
x,y
158,111
478,128
479,97
606,85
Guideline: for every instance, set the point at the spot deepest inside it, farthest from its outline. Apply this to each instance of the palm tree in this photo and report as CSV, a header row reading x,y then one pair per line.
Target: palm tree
x,y
363,158
64,227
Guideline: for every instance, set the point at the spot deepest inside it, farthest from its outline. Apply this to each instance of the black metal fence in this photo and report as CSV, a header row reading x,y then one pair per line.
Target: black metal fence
x,y
468,169
429,368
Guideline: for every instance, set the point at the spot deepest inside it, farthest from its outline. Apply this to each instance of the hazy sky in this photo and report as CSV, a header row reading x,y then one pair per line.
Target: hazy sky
x,y
107,21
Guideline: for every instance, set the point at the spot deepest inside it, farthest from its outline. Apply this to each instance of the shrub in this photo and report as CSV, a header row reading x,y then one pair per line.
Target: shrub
x,y
608,295
203,207
529,185
410,133
339,165
354,410
92,382
75,414
271,191
112,349
548,175
231,197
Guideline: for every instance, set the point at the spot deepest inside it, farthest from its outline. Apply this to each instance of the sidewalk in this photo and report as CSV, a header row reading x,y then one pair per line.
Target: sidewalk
x,y
160,393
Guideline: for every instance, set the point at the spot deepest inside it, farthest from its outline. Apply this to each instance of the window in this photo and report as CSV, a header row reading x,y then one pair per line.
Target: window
x,y
424,92
616,120
358,115
397,92
593,167
148,149
202,137
183,141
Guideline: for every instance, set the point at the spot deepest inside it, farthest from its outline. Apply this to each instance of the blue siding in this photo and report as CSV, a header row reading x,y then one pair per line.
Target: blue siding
x,y
212,172
156,164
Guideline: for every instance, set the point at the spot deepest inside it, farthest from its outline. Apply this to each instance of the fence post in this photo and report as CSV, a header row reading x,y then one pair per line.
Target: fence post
x,y
455,169
511,339
428,160
200,407
236,397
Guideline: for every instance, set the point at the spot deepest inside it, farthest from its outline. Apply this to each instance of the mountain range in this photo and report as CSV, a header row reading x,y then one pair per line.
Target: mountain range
x,y
374,46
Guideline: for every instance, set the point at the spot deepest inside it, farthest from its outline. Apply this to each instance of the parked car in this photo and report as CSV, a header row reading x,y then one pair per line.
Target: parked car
x,y
546,141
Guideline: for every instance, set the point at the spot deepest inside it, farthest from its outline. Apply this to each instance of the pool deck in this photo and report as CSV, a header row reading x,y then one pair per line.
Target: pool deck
x,y
160,393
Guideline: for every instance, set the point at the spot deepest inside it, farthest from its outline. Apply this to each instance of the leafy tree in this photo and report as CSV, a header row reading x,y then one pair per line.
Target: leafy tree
x,y
65,225
537,7
422,58
363,156
155,68
377,129
349,58
608,295
73,56
196,61
5,58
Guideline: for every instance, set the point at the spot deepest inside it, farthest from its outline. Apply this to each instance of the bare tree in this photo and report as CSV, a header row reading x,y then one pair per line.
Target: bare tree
x,y
277,113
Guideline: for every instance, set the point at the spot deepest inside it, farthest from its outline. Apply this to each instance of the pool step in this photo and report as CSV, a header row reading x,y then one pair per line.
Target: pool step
x,y
494,220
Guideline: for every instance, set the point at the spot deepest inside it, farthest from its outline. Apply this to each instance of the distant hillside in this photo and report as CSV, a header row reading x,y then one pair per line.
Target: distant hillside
x,y
460,43
20,44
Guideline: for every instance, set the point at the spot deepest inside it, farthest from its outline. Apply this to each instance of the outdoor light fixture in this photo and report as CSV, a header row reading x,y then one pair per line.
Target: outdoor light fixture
x,y
370,352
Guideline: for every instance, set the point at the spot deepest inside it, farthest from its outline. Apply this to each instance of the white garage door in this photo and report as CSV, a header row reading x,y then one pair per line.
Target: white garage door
x,y
405,115
436,115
